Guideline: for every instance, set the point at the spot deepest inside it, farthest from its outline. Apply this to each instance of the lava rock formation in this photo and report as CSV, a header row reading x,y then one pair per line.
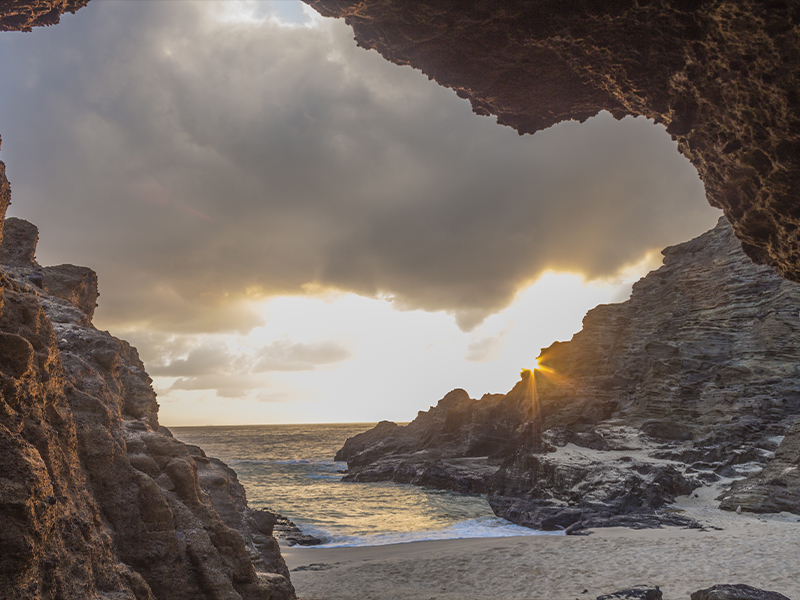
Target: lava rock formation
x,y
96,499
722,76
694,380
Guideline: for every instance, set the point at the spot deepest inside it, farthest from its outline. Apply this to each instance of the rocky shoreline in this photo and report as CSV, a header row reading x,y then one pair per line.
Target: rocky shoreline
x,y
97,499
691,382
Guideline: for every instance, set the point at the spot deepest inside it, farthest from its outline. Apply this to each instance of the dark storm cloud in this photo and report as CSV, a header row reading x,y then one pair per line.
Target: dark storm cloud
x,y
195,164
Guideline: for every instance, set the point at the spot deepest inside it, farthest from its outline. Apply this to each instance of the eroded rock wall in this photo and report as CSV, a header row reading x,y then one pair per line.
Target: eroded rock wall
x,y
98,500
693,381
723,76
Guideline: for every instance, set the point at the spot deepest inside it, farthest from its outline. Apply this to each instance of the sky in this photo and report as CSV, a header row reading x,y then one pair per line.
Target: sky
x,y
291,229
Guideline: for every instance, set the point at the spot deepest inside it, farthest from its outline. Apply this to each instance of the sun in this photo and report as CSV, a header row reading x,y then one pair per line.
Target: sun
x,y
538,366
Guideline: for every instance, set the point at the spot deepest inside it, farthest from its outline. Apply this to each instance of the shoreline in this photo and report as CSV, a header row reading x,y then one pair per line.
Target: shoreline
x,y
759,550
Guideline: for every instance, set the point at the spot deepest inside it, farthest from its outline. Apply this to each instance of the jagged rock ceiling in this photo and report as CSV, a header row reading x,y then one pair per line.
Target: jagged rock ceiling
x,y
723,76
23,15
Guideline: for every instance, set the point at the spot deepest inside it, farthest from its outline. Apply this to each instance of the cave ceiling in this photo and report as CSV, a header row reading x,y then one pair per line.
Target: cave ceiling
x,y
722,76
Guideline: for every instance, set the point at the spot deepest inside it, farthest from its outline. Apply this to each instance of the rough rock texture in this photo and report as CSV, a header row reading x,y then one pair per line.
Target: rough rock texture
x,y
456,445
21,239
639,592
693,379
5,200
76,285
723,76
774,489
736,592
97,500
291,534
23,15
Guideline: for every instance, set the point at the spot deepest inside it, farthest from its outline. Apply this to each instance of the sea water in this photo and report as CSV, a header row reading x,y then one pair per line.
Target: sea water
x,y
290,469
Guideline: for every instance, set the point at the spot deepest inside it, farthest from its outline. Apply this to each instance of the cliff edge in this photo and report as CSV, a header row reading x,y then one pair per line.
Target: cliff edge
x,y
723,77
693,381
97,500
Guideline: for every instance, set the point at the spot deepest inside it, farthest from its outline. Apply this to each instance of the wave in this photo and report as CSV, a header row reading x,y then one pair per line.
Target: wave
x,y
482,527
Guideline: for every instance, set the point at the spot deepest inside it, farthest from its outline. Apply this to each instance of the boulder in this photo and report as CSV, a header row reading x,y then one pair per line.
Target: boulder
x,y
638,592
736,592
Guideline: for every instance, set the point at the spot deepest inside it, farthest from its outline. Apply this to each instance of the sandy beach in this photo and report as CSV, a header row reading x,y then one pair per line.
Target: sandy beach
x,y
761,551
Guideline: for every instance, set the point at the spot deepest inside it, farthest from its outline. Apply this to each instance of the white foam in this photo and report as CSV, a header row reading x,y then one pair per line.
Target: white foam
x,y
482,527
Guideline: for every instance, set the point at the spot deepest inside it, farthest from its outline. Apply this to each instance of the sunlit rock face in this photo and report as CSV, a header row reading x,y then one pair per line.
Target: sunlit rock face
x,y
23,15
724,77
692,381
96,499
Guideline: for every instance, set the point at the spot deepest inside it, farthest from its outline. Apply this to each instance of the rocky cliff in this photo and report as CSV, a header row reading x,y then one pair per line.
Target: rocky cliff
x,y
723,76
97,500
694,380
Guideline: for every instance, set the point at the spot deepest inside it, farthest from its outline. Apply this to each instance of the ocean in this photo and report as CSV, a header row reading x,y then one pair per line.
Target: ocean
x,y
290,469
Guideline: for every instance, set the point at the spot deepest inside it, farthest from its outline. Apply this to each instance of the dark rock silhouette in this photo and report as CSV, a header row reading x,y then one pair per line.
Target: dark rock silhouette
x,y
736,592
639,592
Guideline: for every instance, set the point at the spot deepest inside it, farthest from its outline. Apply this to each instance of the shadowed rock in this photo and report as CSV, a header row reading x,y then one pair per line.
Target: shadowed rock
x,y
723,77
19,247
774,489
736,592
639,592
691,380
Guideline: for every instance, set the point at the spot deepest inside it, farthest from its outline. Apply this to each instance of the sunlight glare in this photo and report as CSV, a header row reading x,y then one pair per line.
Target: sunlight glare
x,y
372,343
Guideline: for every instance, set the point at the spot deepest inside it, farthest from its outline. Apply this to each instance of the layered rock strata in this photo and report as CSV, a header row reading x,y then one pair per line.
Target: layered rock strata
x,y
694,380
97,500
724,77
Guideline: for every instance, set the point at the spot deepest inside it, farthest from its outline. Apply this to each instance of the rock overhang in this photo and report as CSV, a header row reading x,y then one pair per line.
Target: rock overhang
x,y
723,77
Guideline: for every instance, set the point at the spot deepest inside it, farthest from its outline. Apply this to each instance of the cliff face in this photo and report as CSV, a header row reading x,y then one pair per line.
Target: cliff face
x,y
723,76
693,380
98,500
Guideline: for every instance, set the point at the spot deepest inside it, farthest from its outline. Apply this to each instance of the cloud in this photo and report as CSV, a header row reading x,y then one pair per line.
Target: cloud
x,y
233,370
202,360
199,163
485,349
287,356
225,385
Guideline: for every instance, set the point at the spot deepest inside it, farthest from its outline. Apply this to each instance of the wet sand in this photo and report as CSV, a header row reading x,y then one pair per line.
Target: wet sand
x,y
763,552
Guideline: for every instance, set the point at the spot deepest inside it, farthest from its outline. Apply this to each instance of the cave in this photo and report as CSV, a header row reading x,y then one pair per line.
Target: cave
x,y
723,77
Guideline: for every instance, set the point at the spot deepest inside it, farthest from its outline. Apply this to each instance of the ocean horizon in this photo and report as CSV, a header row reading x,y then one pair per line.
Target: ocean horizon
x,y
289,469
